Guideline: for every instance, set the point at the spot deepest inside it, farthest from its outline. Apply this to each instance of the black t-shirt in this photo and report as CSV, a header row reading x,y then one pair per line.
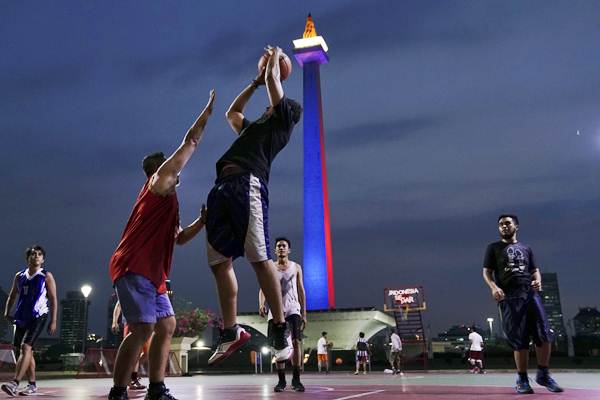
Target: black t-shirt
x,y
261,140
512,263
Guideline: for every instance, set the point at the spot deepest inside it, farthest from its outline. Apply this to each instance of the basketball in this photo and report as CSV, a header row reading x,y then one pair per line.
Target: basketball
x,y
285,65
338,361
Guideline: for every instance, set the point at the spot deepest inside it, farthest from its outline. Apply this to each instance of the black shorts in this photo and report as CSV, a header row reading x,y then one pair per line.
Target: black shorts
x,y
294,324
29,332
524,319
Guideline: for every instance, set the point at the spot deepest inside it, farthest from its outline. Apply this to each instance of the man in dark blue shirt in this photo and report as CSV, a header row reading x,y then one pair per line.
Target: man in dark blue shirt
x,y
237,220
34,291
511,272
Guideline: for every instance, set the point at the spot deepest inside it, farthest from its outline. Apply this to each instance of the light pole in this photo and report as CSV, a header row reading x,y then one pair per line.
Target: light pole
x,y
491,322
85,290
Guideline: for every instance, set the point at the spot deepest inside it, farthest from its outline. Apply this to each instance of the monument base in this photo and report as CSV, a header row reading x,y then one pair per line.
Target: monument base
x,y
342,325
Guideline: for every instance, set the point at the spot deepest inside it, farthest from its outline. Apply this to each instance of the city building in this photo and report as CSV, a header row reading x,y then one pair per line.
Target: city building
x,y
72,322
551,301
587,322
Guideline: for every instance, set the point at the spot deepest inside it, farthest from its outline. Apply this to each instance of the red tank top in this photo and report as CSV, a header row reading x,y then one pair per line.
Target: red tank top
x,y
146,247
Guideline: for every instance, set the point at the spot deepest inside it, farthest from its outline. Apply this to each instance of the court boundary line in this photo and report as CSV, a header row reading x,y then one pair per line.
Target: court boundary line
x,y
360,395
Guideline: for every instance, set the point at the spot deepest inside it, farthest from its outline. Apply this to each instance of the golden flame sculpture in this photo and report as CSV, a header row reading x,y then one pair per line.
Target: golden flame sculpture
x,y
309,30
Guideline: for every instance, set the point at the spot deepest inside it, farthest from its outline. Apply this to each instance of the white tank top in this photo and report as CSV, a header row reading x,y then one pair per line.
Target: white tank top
x,y
289,290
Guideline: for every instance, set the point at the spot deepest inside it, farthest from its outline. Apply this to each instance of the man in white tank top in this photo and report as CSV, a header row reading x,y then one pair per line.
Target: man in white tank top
x,y
289,274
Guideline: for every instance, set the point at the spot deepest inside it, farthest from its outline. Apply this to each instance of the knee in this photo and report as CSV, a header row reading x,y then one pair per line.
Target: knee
x,y
141,332
25,348
165,327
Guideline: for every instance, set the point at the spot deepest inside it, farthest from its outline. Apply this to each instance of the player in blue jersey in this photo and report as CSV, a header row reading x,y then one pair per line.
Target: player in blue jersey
x,y
34,292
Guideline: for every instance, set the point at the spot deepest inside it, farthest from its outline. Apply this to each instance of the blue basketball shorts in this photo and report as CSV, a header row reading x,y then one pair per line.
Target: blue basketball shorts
x,y
524,319
237,220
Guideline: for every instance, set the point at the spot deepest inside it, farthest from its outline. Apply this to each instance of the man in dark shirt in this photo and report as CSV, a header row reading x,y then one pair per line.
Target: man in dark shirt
x,y
510,270
237,222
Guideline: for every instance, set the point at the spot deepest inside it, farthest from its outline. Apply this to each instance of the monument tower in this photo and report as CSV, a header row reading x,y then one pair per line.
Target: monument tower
x,y
310,52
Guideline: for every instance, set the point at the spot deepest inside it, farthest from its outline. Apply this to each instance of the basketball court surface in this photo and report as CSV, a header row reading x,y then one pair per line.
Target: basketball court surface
x,y
339,386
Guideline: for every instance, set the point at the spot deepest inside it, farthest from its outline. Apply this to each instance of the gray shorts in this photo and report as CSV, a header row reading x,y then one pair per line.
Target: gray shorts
x,y
140,302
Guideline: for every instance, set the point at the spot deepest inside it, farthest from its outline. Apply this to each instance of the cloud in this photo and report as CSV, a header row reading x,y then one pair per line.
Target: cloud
x,y
381,132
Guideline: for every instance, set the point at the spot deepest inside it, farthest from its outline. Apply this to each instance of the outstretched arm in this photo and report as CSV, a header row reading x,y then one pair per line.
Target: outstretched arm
x,y
10,301
273,76
192,230
165,179
235,112
51,288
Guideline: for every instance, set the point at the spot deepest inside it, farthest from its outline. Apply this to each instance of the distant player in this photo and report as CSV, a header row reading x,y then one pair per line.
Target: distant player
x,y
476,352
294,309
238,205
34,290
362,353
135,383
141,264
396,353
510,270
323,346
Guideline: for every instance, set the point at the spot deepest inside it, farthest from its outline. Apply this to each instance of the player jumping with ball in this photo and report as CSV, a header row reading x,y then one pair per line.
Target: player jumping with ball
x,y
237,222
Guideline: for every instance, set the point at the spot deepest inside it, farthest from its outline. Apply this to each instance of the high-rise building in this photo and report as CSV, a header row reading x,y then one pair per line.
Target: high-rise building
x,y
587,322
551,301
72,322
111,339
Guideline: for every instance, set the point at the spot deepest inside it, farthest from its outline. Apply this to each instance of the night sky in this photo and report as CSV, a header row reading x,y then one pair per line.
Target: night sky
x,y
438,117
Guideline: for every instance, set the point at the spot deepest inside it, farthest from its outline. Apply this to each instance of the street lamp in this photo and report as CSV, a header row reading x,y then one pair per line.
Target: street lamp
x,y
85,290
491,322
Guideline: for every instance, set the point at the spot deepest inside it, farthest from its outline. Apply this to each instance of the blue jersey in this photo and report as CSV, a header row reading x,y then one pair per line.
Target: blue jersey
x,y
33,299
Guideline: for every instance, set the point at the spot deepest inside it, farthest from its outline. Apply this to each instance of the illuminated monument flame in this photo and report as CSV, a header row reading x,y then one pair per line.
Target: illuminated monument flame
x,y
310,52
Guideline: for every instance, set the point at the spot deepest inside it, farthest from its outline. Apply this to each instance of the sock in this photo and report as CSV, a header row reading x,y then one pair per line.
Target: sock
x,y
156,387
134,376
32,383
542,370
296,373
281,374
523,376
118,390
16,381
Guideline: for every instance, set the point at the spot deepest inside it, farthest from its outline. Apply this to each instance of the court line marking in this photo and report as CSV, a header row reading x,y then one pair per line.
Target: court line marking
x,y
359,395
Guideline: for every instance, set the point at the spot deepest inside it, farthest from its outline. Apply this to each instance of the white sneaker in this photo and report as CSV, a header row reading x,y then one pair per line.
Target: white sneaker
x,y
10,388
30,389
229,345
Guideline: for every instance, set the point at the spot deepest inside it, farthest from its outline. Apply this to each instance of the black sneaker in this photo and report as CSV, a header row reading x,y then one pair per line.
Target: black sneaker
x,y
114,396
165,395
297,386
279,341
280,387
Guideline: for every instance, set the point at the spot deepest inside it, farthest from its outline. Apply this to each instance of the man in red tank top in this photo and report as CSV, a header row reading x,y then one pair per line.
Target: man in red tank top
x,y
141,264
